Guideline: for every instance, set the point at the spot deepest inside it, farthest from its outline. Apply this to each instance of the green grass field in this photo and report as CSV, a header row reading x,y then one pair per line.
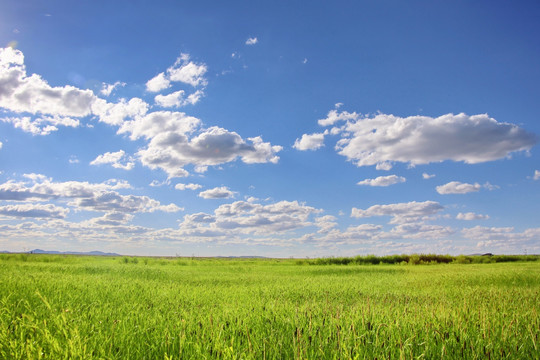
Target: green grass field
x,y
55,307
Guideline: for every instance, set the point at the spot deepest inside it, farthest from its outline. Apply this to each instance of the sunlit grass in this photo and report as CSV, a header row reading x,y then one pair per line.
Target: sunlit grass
x,y
145,308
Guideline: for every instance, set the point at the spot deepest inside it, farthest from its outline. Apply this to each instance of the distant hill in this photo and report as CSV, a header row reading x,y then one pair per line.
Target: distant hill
x,y
93,253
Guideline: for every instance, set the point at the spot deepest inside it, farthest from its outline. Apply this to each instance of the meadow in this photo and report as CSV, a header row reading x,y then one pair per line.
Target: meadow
x,y
77,307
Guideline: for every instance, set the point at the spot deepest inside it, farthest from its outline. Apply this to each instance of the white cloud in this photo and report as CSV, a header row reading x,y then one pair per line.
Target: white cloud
x,y
177,99
158,83
456,187
31,94
107,89
118,160
252,41
310,142
34,211
1,144
82,195
43,125
242,217
471,216
189,186
421,139
536,175
217,193
187,72
400,212
117,114
172,150
383,181
427,176
335,116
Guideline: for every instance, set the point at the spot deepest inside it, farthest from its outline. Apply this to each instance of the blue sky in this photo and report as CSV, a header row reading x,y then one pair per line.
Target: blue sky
x,y
270,128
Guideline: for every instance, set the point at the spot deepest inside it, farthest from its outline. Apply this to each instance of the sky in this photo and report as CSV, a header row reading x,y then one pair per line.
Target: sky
x,y
270,128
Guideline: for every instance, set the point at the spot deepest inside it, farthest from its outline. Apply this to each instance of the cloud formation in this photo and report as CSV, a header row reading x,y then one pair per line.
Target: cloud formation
x,y
252,41
217,193
39,211
471,216
456,187
310,142
383,181
118,160
183,70
400,212
383,139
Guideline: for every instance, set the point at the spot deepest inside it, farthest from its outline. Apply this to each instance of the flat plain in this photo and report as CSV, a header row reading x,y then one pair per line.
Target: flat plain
x,y
81,307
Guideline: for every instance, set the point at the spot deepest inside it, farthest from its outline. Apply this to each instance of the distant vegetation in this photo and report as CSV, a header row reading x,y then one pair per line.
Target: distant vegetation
x,y
418,259
82,307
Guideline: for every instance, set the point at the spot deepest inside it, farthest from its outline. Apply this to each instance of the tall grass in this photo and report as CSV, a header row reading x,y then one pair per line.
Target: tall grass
x,y
83,307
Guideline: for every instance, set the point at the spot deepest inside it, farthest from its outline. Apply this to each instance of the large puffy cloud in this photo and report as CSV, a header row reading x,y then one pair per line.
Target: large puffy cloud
x,y
172,150
383,139
383,181
400,212
31,94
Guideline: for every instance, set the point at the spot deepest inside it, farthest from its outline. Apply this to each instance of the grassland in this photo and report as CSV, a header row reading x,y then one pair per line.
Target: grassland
x,y
55,307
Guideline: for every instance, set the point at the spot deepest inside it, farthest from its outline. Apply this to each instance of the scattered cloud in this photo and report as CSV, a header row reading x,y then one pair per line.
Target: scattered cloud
x,y
310,142
383,181
189,186
456,187
428,176
252,41
177,99
536,175
34,211
118,160
158,83
43,125
101,197
400,212
217,193
107,89
471,216
183,70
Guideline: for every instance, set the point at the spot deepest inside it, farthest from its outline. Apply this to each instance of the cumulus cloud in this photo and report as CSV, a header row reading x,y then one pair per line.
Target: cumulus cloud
x,y
177,99
158,83
107,89
21,93
427,176
189,186
310,142
183,70
42,125
172,150
471,216
383,181
242,217
400,212
217,193
456,187
382,138
117,113
34,211
252,41
118,160
101,197
535,177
